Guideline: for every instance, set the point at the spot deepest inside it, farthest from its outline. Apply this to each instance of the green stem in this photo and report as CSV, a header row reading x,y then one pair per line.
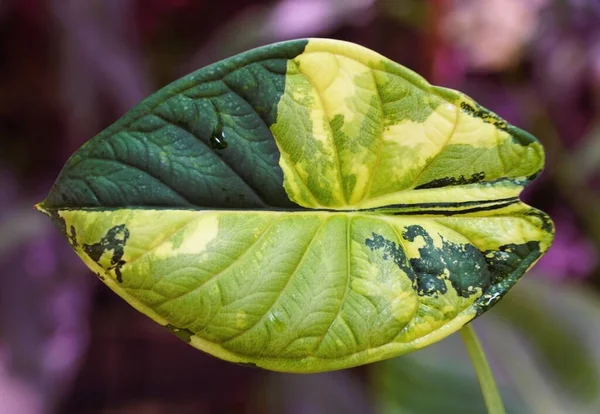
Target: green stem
x,y
492,398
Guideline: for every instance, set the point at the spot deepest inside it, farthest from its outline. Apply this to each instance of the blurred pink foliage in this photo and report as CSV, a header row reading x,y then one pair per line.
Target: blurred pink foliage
x,y
492,33
299,18
44,304
572,255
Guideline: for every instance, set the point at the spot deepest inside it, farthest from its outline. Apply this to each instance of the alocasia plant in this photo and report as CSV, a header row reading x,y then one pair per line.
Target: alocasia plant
x,y
305,206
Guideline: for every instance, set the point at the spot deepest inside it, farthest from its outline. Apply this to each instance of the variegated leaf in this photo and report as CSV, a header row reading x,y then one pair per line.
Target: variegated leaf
x,y
305,206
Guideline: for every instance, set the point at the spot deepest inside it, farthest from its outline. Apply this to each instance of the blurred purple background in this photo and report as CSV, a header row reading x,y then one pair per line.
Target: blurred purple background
x,y
69,68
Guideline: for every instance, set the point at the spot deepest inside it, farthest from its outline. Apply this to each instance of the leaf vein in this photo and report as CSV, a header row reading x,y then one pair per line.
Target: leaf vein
x,y
330,130
343,298
287,283
233,262
380,143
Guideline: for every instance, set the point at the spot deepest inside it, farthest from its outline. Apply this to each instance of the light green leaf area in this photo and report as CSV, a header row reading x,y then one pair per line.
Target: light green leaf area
x,y
305,206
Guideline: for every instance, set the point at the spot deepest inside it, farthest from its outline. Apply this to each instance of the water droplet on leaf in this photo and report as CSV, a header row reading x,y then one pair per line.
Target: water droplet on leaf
x,y
217,141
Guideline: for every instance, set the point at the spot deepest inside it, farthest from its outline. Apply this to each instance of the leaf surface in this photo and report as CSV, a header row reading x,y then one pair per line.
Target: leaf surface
x,y
305,206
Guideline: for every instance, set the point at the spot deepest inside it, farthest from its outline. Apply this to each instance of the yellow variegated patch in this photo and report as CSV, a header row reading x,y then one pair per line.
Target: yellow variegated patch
x,y
305,206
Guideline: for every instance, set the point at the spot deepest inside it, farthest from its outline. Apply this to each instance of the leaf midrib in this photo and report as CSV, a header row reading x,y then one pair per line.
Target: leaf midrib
x,y
414,209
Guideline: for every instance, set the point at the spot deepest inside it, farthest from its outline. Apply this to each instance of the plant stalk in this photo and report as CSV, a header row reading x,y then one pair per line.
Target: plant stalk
x,y
492,398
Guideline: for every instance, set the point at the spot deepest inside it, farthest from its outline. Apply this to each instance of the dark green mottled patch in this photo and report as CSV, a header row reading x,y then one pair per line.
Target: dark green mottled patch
x,y
181,333
485,115
178,239
493,271
391,251
295,135
521,137
344,144
504,261
73,237
426,273
404,94
448,181
545,220
466,268
518,135
58,221
462,264
506,265
114,240
422,209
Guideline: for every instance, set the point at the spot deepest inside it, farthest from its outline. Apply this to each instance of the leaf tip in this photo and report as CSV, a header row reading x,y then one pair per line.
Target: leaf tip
x,y
40,207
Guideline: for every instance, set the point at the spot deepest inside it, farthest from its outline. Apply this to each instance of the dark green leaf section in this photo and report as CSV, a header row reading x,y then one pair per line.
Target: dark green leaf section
x,y
448,181
391,251
465,265
114,241
506,266
202,141
469,270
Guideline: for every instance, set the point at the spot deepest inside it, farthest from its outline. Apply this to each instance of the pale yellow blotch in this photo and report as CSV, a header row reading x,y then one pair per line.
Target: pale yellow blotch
x,y
333,78
436,237
321,68
412,248
438,311
361,54
473,131
429,137
241,320
301,96
195,238
295,185
419,327
82,221
403,302
326,83
473,192
363,174
302,92
98,268
492,232
422,140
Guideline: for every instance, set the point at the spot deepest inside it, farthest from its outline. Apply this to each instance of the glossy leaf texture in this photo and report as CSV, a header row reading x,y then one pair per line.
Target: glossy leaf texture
x,y
305,206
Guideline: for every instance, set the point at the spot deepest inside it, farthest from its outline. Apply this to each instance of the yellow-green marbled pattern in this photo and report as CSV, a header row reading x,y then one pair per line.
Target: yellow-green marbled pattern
x,y
406,223
295,292
356,130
